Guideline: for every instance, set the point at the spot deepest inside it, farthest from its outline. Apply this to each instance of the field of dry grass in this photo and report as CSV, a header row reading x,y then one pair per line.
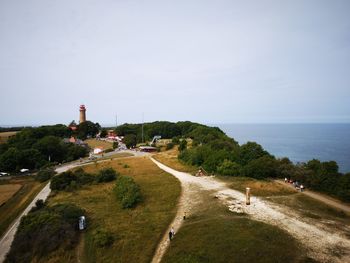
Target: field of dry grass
x,y
258,187
7,191
136,231
93,143
170,159
5,135
27,189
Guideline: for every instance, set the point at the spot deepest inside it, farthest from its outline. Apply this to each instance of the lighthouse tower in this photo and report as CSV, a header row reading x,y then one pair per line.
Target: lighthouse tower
x,y
82,117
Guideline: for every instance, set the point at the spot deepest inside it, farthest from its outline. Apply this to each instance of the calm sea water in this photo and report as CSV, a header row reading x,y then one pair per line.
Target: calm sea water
x,y
298,142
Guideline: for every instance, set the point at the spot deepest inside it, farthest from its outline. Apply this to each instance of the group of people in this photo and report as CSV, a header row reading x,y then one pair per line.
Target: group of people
x,y
295,184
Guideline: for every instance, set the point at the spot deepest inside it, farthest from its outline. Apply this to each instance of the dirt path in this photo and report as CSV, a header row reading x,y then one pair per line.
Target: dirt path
x,y
323,243
320,197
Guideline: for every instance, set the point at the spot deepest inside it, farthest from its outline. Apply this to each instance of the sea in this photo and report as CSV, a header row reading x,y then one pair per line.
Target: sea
x,y
298,142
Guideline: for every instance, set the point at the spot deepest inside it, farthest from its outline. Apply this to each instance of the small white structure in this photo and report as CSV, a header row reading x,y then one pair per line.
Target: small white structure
x,y
98,150
82,223
24,170
3,174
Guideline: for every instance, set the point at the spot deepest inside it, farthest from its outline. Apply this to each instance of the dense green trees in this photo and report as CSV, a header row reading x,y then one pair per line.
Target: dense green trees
x,y
33,148
73,180
43,230
87,129
130,140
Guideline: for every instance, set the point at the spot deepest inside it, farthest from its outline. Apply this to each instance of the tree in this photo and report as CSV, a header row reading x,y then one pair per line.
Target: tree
x,y
9,160
183,145
127,191
228,167
51,147
87,129
130,140
45,174
251,151
260,168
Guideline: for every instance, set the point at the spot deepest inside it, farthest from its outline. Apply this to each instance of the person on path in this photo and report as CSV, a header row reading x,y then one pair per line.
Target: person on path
x,y
170,235
172,232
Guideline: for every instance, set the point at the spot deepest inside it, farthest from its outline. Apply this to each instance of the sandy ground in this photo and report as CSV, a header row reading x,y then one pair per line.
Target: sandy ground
x,y
323,243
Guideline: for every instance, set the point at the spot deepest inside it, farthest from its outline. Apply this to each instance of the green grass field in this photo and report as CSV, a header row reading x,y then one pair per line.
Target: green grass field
x,y
136,231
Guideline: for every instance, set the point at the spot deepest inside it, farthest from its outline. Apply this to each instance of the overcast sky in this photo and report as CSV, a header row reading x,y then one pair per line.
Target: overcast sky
x,y
205,61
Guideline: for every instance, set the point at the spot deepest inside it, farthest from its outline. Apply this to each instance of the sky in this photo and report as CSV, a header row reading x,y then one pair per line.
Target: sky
x,y
204,61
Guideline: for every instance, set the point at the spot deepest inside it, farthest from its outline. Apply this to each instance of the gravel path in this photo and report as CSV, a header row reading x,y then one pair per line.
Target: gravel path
x,y
323,243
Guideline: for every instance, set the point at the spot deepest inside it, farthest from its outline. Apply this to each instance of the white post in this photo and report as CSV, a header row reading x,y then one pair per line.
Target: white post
x,y
247,196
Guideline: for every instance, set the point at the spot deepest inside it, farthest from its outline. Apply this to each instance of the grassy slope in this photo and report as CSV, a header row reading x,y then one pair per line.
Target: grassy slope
x,y
97,143
170,159
5,135
213,234
18,202
137,231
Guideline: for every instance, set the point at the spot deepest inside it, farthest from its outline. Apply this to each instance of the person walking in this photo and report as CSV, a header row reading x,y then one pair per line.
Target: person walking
x,y
172,232
170,235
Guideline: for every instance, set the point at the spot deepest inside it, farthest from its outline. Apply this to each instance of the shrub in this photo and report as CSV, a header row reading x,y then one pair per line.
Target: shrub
x,y
127,191
83,177
170,146
62,181
106,175
183,145
228,167
102,238
109,150
45,174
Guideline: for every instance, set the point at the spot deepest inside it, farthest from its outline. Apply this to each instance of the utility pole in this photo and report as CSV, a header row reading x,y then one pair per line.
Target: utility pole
x,y
142,126
116,120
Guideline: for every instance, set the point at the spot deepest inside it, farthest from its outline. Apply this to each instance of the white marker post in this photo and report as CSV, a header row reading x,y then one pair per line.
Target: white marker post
x,y
247,196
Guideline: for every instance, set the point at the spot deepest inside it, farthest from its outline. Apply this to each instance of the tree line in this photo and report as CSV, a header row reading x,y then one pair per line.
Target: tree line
x,y
217,153
36,147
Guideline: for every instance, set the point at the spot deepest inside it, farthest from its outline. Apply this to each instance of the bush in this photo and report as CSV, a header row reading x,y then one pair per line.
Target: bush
x,y
115,145
106,175
62,181
45,174
83,177
228,167
102,238
127,192
169,146
183,145
109,150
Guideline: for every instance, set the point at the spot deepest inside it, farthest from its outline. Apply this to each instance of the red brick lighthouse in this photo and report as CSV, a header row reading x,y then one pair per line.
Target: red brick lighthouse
x,y
82,117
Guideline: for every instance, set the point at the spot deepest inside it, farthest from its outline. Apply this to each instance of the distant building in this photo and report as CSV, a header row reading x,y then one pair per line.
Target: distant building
x,y
148,149
82,117
75,141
